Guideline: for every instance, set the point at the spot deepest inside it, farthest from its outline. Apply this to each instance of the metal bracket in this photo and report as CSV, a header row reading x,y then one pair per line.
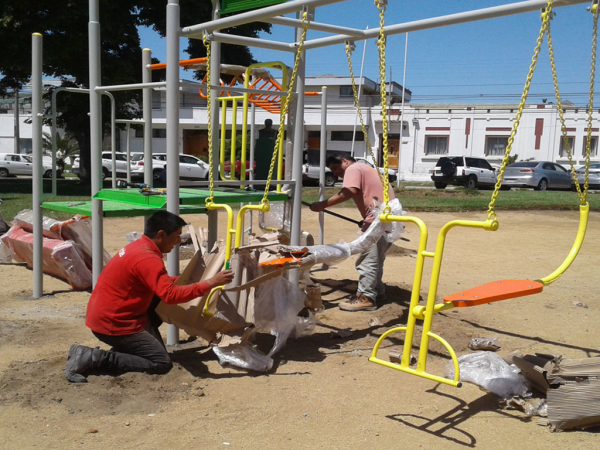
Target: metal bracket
x,y
543,11
381,2
208,35
351,44
594,7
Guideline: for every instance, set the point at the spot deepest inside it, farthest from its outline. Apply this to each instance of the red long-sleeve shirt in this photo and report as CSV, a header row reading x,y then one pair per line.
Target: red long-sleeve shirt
x,y
119,303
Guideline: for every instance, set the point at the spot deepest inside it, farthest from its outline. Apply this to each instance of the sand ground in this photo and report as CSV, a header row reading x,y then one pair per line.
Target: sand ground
x,y
322,392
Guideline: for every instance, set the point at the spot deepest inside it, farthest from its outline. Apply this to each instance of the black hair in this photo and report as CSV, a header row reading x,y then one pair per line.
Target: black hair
x,y
162,220
337,159
268,122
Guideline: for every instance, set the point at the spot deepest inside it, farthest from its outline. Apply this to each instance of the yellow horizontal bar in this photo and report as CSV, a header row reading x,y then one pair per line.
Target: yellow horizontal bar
x,y
415,372
419,311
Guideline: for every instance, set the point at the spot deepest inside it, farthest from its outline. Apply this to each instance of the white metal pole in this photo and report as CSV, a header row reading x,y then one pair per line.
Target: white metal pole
x,y
362,66
147,114
128,150
295,225
402,112
113,138
95,138
322,161
215,67
54,137
172,137
36,198
16,116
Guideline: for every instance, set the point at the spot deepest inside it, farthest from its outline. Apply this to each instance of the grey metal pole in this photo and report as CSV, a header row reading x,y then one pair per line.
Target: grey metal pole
x,y
54,145
95,139
17,125
172,137
402,113
252,139
147,114
322,161
113,138
36,198
215,64
128,150
295,225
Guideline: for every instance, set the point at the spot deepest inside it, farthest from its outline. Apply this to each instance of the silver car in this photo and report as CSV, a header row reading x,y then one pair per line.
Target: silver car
x,y
594,176
539,175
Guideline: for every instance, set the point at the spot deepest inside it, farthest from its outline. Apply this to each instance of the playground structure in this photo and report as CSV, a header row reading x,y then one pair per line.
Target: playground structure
x,y
304,9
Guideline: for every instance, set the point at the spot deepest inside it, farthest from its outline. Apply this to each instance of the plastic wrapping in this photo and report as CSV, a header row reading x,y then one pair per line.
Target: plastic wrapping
x,y
277,218
60,258
245,356
133,236
77,229
489,344
3,225
276,307
5,254
490,372
334,253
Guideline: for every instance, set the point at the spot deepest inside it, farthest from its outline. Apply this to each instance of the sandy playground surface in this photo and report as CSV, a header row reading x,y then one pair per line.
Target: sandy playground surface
x,y
322,392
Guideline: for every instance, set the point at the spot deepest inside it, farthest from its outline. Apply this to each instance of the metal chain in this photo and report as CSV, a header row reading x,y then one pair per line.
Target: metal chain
x,y
381,6
358,109
511,139
210,198
595,11
582,197
285,104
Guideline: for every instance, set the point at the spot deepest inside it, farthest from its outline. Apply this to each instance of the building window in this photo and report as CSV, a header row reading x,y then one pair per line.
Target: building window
x,y
495,145
593,146
436,145
563,148
347,136
159,133
346,91
156,100
139,132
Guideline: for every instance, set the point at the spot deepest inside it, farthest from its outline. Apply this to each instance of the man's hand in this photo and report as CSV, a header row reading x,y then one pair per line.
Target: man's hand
x,y
317,206
221,279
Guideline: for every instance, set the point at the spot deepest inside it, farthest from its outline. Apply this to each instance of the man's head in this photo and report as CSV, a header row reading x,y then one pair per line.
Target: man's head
x,y
338,164
268,123
164,228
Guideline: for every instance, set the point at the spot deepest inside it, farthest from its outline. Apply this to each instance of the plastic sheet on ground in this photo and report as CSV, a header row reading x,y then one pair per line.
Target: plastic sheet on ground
x,y
490,372
245,356
60,258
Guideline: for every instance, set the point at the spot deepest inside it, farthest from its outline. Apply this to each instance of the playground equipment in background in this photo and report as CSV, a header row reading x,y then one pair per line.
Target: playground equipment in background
x,y
497,290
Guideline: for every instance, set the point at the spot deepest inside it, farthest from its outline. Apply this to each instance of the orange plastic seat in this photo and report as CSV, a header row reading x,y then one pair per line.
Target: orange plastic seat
x,y
494,291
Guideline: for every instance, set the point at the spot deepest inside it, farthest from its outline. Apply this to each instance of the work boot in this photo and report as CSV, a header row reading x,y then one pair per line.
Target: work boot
x,y
78,363
360,303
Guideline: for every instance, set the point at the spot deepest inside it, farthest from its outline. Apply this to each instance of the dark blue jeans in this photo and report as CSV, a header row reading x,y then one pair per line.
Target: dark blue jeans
x,y
140,352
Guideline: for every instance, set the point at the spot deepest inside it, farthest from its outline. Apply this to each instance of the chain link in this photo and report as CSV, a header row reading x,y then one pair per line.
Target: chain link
x,y
384,123
210,199
591,102
358,109
511,139
285,105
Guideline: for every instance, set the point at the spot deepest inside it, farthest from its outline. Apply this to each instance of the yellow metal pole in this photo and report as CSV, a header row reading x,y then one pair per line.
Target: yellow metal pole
x,y
233,137
223,136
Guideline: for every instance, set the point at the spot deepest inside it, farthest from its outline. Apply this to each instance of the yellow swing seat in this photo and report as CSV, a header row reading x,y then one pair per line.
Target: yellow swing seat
x,y
494,292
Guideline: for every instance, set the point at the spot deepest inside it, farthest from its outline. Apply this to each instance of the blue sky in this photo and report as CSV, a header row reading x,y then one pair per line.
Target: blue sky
x,y
485,61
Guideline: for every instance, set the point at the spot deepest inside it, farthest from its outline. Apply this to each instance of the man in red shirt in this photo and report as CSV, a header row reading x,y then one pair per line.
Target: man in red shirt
x,y
121,313
363,185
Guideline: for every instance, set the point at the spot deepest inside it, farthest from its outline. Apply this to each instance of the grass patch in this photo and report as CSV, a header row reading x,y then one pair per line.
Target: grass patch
x,y
473,199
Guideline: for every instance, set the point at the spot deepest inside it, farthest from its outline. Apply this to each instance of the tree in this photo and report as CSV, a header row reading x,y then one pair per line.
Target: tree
x,y
64,27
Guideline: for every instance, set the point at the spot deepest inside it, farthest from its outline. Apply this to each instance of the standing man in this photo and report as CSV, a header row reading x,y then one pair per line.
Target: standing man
x,y
363,185
267,132
121,313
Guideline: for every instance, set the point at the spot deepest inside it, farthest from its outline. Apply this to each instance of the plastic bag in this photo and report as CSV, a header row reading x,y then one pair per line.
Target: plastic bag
x,y
244,356
276,308
490,372
491,344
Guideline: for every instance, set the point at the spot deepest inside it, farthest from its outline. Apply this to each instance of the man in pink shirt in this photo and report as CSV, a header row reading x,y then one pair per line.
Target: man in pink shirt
x,y
363,185
121,313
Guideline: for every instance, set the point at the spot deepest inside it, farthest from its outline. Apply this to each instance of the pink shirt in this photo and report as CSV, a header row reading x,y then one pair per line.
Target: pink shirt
x,y
366,179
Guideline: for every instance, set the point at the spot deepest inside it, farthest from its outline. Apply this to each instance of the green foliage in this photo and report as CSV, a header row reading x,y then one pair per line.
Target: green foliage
x,y
66,147
64,28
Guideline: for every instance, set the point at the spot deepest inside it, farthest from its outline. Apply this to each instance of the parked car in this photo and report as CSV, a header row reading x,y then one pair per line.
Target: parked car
x,y
107,164
392,174
539,175
594,176
15,164
466,171
238,165
190,167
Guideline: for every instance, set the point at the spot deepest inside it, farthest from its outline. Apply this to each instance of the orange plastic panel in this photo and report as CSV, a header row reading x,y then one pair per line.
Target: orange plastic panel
x,y
494,291
278,263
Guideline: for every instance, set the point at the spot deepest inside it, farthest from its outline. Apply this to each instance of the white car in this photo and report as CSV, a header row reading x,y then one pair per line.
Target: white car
x,y
15,164
107,165
392,174
190,167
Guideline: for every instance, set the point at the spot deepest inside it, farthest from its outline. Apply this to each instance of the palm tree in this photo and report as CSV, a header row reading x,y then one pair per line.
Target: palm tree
x,y
66,147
